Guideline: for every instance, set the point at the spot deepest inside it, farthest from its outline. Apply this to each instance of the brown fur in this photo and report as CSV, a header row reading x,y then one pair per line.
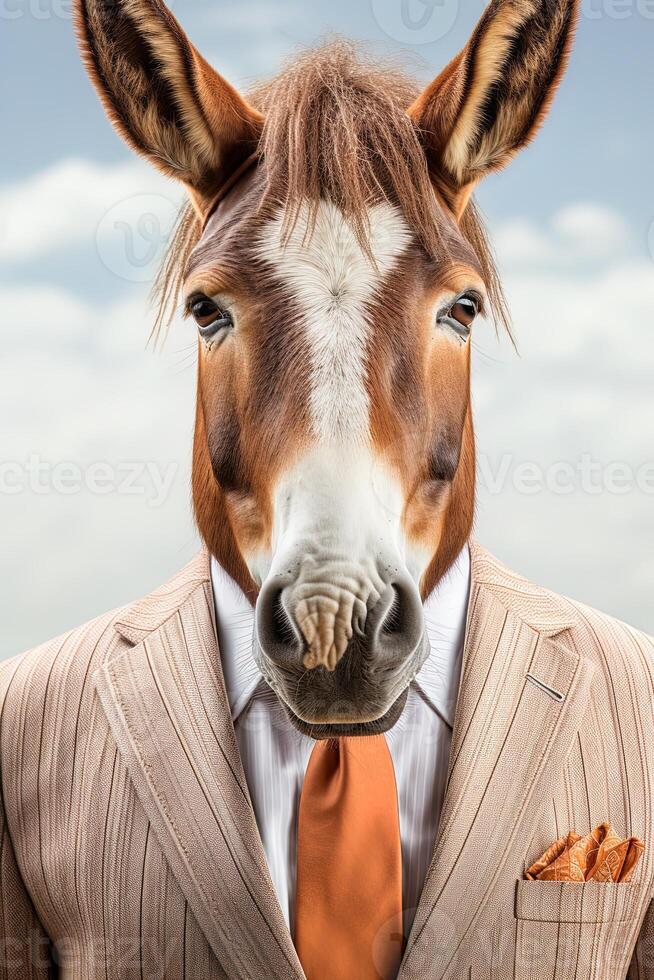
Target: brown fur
x,y
160,93
335,126
491,99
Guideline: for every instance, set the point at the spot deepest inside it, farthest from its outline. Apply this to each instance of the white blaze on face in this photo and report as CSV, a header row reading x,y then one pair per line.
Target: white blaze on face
x,y
333,281
337,527
337,510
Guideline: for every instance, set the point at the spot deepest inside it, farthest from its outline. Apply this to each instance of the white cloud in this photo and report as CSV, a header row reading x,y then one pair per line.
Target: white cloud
x,y
80,391
575,235
521,241
78,378
39,313
66,204
594,229
604,316
581,388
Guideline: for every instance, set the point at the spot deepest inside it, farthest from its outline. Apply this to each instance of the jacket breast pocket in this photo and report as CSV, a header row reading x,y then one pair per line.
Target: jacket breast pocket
x,y
585,931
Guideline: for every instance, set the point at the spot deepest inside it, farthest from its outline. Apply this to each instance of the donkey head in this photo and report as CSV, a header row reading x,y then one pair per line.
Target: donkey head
x,y
334,265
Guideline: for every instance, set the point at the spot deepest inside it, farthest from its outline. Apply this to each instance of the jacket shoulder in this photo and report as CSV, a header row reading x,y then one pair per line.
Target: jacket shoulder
x,y
63,667
611,644
47,672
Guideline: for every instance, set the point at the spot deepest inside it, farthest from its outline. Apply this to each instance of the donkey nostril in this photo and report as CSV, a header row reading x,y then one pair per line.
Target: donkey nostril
x,y
277,636
393,621
282,631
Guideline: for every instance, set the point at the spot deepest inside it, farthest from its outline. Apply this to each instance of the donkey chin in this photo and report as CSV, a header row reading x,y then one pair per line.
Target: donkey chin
x,y
340,644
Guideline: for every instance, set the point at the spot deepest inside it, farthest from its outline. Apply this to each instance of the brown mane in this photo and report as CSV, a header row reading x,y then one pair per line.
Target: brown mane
x,y
336,127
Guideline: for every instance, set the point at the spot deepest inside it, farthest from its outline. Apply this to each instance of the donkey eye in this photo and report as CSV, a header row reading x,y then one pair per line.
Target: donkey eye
x,y
465,310
462,314
209,317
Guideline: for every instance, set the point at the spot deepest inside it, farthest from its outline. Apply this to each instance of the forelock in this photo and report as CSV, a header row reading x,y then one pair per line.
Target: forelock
x,y
337,129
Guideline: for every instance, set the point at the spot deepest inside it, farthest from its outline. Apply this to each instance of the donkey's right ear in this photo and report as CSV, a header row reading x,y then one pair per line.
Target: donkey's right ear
x,y
490,100
162,96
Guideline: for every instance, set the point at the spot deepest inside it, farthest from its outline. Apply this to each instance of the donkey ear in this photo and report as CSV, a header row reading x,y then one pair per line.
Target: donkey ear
x,y
161,95
489,102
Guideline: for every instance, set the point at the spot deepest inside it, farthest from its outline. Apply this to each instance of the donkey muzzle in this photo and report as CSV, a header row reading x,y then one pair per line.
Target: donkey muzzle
x,y
340,660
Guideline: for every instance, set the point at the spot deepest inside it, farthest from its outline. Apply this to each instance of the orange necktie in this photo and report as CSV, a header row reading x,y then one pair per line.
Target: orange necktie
x,y
348,906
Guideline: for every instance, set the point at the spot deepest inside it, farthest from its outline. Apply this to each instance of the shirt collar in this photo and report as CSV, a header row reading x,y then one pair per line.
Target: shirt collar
x,y
437,681
446,611
235,625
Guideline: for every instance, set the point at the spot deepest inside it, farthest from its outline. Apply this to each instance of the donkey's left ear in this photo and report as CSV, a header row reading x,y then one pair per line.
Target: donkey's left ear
x,y
488,103
164,99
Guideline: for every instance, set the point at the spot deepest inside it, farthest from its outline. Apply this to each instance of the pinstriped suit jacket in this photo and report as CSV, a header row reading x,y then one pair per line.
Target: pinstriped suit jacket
x,y
129,849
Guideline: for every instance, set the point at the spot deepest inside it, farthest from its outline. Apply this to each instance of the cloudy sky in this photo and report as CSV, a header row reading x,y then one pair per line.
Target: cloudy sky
x,y
94,479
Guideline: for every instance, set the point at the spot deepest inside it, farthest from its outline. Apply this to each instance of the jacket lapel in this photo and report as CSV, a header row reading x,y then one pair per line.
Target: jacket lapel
x,y
168,711
521,700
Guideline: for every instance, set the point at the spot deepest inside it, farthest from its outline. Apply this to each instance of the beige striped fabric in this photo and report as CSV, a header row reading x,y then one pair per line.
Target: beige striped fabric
x,y
129,847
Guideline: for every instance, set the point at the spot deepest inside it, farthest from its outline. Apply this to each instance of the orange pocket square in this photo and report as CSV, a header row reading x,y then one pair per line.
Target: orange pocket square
x,y
600,856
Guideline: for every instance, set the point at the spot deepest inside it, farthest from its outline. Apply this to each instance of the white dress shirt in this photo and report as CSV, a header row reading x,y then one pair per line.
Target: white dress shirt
x,y
275,754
